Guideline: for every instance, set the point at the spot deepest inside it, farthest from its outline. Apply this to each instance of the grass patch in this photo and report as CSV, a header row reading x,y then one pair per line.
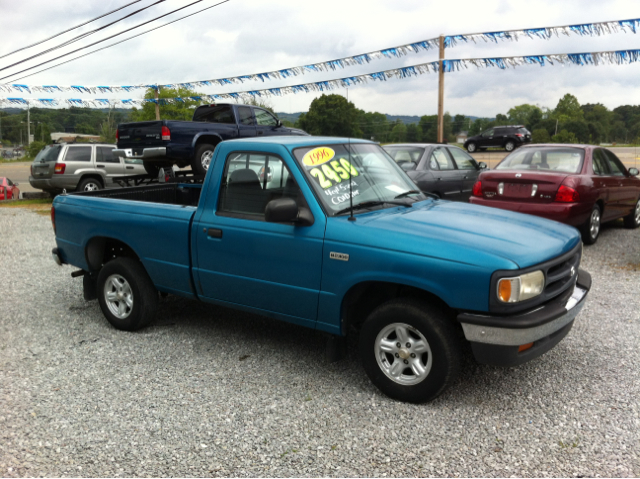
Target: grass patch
x,y
41,206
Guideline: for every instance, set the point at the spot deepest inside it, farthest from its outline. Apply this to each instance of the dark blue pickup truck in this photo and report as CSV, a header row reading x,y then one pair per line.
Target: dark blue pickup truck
x,y
163,143
331,234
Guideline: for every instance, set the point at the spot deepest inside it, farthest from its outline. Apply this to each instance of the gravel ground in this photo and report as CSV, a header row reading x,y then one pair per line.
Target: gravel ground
x,y
207,391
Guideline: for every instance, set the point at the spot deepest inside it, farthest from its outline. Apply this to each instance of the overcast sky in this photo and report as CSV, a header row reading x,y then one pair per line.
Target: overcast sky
x,y
251,36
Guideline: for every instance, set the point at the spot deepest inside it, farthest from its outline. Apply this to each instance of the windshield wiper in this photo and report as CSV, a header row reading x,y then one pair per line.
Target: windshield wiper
x,y
368,204
407,193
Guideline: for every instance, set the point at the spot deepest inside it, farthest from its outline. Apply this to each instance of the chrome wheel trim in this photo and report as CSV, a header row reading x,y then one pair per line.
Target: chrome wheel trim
x,y
118,296
91,187
205,159
408,364
471,147
509,146
594,225
638,212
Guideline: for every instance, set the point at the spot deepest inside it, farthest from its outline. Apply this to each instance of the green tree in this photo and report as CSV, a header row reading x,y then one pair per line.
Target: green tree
x,y
331,115
525,114
540,136
34,148
414,133
398,132
182,110
374,126
564,136
567,109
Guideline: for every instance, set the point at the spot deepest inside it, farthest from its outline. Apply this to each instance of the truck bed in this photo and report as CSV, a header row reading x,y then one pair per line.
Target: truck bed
x,y
170,193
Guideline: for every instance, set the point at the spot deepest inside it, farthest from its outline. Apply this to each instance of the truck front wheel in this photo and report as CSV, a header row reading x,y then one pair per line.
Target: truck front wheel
x,y
202,158
409,350
126,294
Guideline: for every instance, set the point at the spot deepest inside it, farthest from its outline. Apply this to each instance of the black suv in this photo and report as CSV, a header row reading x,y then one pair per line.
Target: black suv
x,y
507,137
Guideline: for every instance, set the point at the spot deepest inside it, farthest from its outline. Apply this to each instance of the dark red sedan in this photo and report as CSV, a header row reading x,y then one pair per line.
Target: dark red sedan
x,y
580,185
8,189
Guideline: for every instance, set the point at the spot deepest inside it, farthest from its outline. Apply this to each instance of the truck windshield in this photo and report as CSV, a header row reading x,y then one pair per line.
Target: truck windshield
x,y
364,171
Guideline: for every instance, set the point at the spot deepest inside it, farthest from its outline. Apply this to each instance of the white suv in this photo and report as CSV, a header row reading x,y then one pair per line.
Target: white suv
x,y
80,167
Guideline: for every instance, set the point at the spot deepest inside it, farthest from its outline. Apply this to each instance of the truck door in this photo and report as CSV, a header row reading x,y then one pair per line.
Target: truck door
x,y
108,163
244,260
246,122
447,179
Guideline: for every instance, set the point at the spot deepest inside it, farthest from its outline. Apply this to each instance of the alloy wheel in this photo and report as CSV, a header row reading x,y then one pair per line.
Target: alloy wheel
x,y
403,354
118,296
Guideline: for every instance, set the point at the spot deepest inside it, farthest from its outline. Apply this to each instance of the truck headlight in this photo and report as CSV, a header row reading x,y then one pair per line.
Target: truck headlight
x,y
526,286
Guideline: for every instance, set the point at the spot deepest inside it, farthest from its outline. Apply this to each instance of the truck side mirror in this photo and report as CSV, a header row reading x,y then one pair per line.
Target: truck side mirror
x,y
633,171
482,165
278,124
285,210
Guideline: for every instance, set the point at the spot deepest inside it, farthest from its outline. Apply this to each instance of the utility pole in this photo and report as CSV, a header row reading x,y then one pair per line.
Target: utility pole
x,y
441,91
28,126
157,104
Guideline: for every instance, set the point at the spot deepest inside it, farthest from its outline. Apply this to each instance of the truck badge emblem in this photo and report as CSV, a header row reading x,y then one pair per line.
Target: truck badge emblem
x,y
518,175
573,271
339,256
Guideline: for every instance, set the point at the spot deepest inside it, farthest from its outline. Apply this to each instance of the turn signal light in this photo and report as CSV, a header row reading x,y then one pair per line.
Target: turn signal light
x,y
59,168
524,347
567,195
117,135
166,133
504,291
477,189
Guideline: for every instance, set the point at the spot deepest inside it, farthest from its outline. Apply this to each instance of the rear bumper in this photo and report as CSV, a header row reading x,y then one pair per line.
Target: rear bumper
x,y
497,340
158,153
574,214
55,183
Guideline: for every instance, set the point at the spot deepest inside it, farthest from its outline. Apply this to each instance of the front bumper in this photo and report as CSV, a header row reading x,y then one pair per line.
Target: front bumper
x,y
159,153
498,340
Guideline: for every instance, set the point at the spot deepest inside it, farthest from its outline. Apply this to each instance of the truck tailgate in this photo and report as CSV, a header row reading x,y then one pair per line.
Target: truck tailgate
x,y
157,233
140,134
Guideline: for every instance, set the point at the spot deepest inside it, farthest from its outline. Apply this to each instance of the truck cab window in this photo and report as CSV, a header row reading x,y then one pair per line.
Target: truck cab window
x,y
246,116
217,114
264,118
251,180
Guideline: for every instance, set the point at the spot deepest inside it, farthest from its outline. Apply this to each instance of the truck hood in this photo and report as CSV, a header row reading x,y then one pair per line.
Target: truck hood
x,y
463,233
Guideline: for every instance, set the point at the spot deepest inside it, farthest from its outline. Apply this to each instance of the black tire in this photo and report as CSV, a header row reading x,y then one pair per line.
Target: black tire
x,y
152,169
422,323
632,220
471,147
509,146
591,228
124,288
202,158
89,184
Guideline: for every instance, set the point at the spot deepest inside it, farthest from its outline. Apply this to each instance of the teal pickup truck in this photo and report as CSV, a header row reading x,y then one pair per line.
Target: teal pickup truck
x,y
331,234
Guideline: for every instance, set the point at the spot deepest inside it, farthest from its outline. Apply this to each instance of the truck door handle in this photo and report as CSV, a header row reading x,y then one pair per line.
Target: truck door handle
x,y
214,233
100,166
129,167
260,132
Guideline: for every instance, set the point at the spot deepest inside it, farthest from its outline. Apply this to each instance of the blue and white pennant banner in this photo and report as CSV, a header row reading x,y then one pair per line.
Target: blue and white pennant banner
x,y
619,57
586,29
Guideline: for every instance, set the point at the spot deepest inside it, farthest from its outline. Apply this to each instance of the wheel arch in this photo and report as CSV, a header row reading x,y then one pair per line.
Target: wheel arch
x,y
362,298
101,249
201,138
95,176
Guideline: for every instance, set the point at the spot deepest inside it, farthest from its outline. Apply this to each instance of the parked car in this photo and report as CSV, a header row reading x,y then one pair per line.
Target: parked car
x,y
339,240
79,167
580,185
443,170
163,143
8,189
507,137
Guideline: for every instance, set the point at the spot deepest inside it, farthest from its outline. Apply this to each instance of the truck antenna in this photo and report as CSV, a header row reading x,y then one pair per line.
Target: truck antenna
x,y
351,217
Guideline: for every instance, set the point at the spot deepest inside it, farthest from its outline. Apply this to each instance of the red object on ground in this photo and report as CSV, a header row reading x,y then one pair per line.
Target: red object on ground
x,y
8,190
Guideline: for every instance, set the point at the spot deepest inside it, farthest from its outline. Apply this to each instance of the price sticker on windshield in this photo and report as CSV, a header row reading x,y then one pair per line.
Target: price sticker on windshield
x,y
326,169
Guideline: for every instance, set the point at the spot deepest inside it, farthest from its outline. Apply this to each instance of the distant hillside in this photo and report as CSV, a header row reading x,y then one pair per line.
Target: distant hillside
x,y
407,119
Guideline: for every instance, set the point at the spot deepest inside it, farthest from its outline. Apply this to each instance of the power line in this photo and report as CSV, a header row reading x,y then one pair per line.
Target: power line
x,y
68,30
81,36
112,36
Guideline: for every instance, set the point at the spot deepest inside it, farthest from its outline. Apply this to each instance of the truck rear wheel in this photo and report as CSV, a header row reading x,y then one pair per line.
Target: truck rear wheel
x,y
202,158
126,294
409,350
151,168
